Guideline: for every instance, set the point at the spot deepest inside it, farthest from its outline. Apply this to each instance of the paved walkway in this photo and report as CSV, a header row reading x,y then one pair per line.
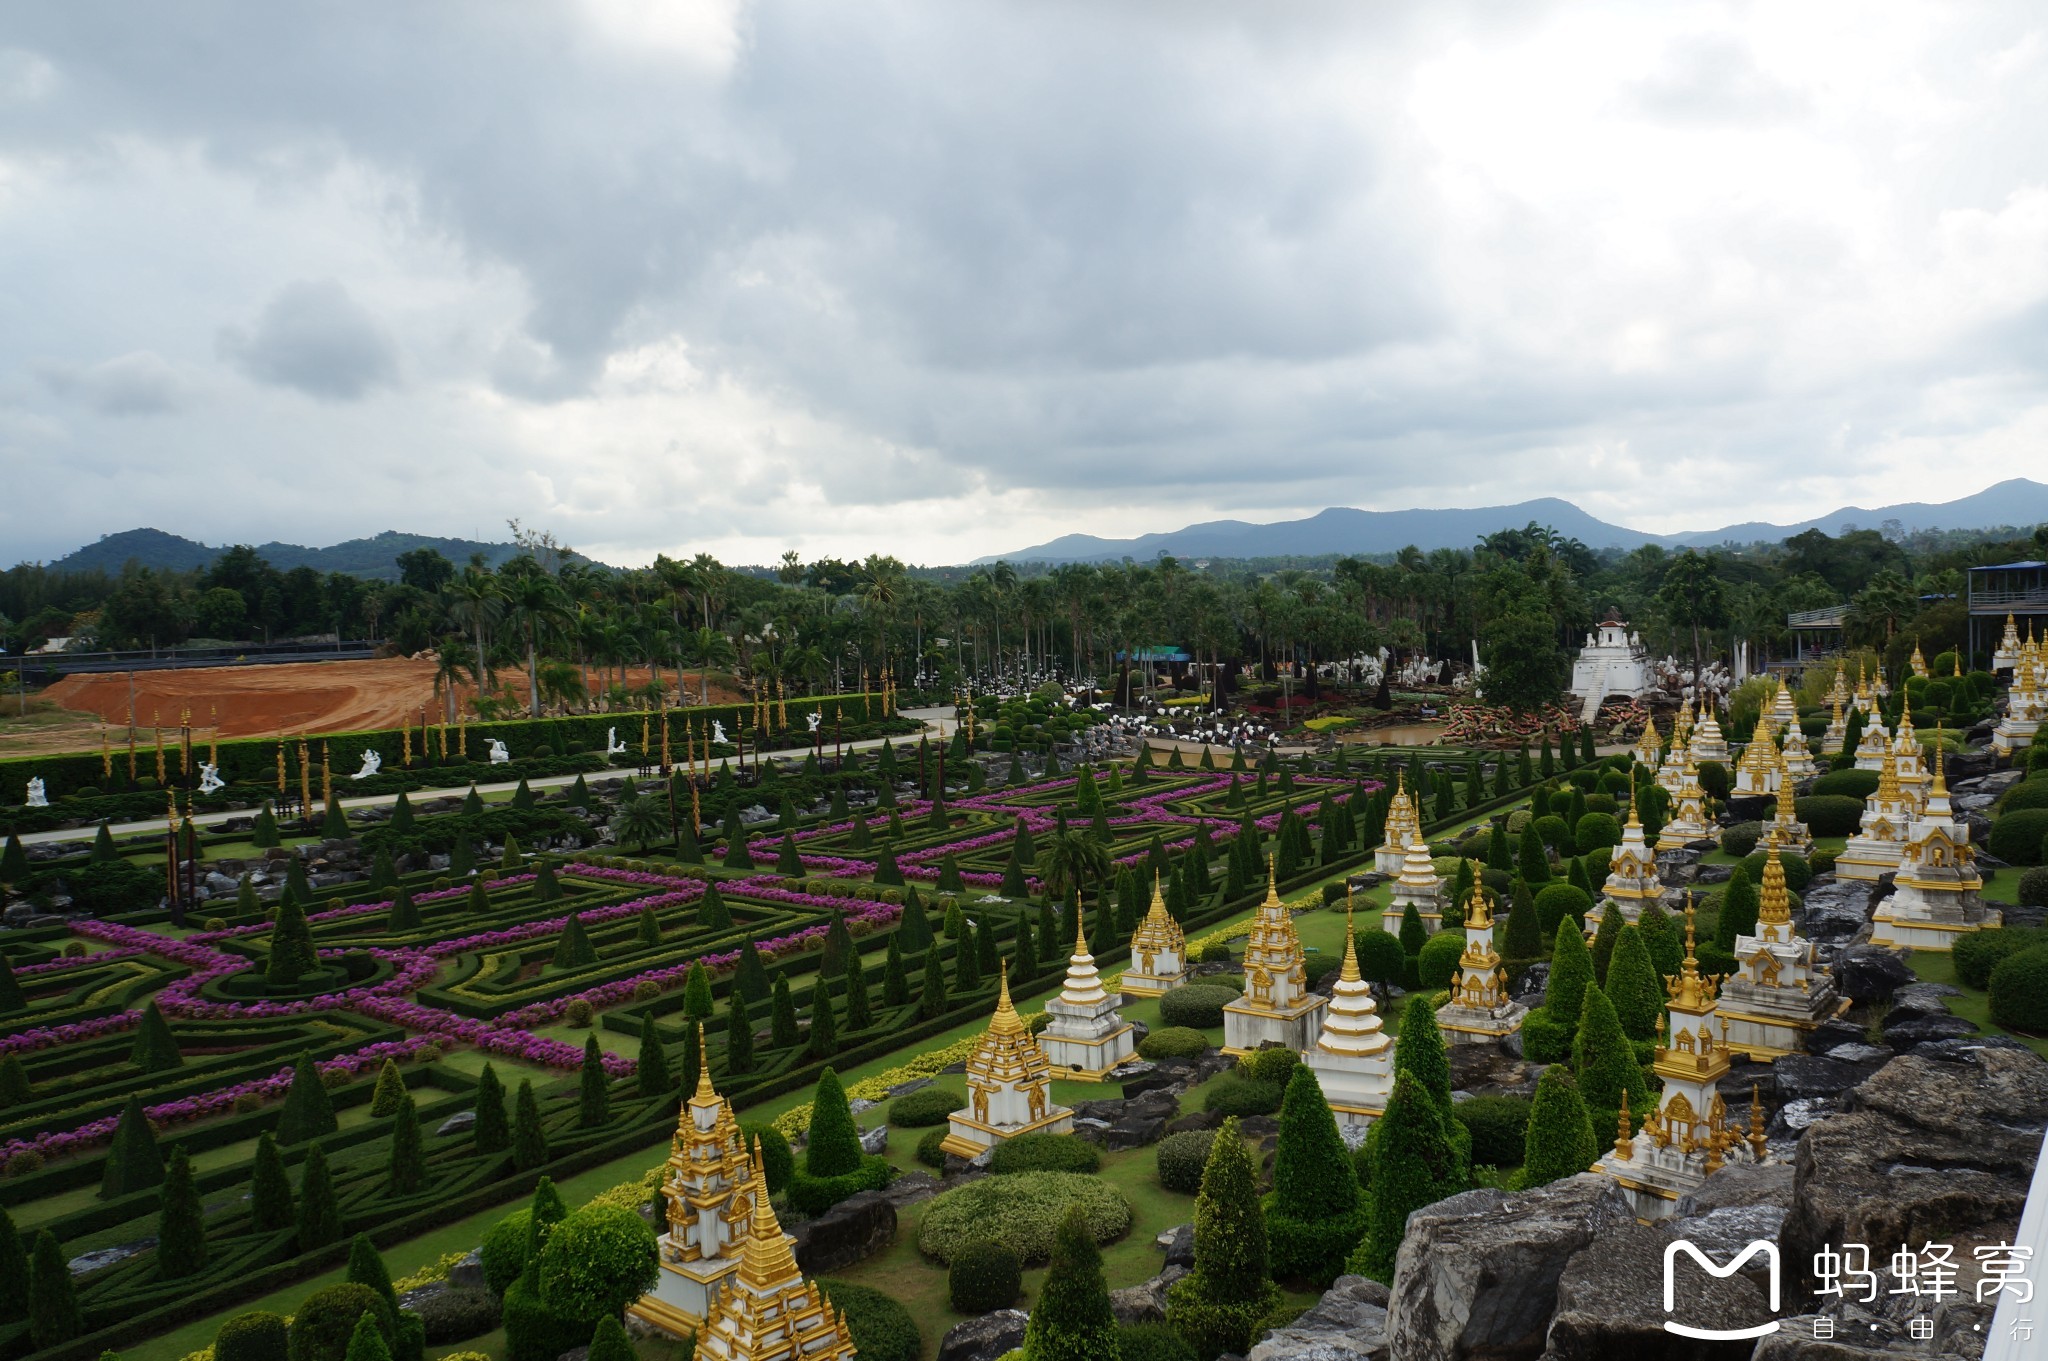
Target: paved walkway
x,y
938,723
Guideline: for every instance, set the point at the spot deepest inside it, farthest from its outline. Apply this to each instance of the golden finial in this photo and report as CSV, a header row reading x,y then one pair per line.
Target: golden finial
x,y
1350,973
1775,907
1888,778
705,1094
1478,908
1939,789
766,1259
1272,884
1006,1020
1624,1140
1080,930
1756,1122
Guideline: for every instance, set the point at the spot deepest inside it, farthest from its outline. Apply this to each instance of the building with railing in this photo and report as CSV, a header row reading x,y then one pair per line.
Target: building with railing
x,y
2019,589
1816,632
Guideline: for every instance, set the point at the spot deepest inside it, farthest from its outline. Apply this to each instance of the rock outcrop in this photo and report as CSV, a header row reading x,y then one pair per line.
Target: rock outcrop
x,y
1348,1324
856,1228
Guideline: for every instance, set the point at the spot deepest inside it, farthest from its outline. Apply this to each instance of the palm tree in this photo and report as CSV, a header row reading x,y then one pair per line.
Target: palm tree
x,y
453,661
472,601
640,822
534,600
706,649
1072,861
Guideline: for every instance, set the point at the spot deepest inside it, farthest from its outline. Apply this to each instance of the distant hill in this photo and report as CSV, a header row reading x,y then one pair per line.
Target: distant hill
x,y
375,558
2019,501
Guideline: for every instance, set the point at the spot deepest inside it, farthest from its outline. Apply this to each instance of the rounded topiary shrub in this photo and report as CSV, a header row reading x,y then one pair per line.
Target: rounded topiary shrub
x,y
1219,953
881,1329
925,1107
2016,837
1272,1063
2031,792
504,1251
1498,1125
457,1314
1557,901
929,1151
1235,1095
596,1262
1596,831
1821,862
1021,1212
1545,1039
1044,1153
1714,778
1439,958
1555,834
1181,1158
255,1336
1798,873
983,1277
1851,784
2019,991
2033,888
1173,1042
1977,953
1829,814
1151,1342
323,1323
1741,839
1199,1006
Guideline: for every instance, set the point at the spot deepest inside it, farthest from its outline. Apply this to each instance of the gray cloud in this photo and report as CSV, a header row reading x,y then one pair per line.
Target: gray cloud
x,y
140,384
316,338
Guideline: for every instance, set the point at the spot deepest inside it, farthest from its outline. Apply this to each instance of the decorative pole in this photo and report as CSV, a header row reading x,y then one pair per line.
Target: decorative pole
x,y
161,779
666,766
106,759
280,772
305,781
171,854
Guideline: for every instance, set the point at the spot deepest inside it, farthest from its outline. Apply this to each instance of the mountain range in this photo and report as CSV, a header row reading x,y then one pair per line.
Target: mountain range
x,y
2018,501
375,557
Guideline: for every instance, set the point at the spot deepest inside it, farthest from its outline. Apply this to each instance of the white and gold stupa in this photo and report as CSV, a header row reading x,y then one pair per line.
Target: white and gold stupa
x,y
1632,881
1689,1137
1159,952
1756,774
1778,997
1782,710
1419,884
706,1188
766,1310
1876,740
1403,827
1707,743
1479,1009
1353,1057
1914,777
1880,842
1277,1007
1795,756
1792,834
1917,662
2008,654
1009,1087
1648,750
1838,721
1935,895
2026,703
1085,1038
1688,821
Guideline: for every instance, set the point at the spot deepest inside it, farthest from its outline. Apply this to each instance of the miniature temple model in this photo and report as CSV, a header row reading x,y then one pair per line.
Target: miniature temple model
x,y
1479,1008
1879,843
766,1310
1159,952
706,1188
1688,821
1792,834
1913,774
2008,654
1353,1058
1838,726
1778,997
1935,898
1085,1038
1612,663
1783,710
1009,1087
1918,662
1419,884
1756,774
1689,1137
1707,743
1795,756
1277,1005
1648,750
1632,882
1403,827
2027,701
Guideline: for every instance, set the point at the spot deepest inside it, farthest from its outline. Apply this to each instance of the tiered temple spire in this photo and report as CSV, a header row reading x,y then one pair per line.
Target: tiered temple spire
x,y
1352,1058
1779,996
1009,1086
1159,952
1086,1038
766,1310
1479,1009
1277,1005
1403,827
1935,896
1632,881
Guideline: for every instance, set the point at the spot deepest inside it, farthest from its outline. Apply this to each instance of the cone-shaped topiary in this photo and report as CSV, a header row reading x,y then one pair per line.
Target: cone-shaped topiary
x,y
824,1034
1571,973
1314,1216
594,1095
492,1132
838,945
1414,935
1219,1305
405,914
1611,922
1632,985
650,928
650,1072
1414,1164
14,860
390,1087
1072,1319
308,1111
887,871
270,1188
933,1000
334,822
1559,1141
1419,1050
573,948
1523,938
739,1035
833,1148
181,1222
15,1088
265,836
895,982
367,1343
401,814
966,968
547,888
292,955
133,1162
529,1140
1532,862
609,1342
787,862
366,1268
319,1211
407,1167
783,1030
1604,1061
858,1014
1739,907
53,1316
1661,936
750,979
155,1049
14,1272
697,999
915,928
712,911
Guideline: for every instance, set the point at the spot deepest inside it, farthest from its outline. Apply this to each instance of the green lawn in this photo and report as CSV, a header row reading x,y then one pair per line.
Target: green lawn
x,y
1973,1005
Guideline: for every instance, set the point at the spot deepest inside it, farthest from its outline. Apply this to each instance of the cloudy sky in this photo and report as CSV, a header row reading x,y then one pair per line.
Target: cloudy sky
x,y
953,277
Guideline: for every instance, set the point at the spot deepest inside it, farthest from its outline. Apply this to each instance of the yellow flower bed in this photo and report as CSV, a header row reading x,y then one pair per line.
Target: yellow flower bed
x,y
1327,722
427,1275
797,1119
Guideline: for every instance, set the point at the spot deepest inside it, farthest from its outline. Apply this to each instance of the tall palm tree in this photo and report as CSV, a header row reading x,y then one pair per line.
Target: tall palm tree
x,y
707,649
473,602
1072,861
453,661
533,600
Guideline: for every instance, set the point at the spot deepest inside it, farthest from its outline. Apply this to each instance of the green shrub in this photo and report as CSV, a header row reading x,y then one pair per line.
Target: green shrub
x,y
1151,1342
1499,1125
533,1332
815,1195
1218,953
1198,1006
1798,873
928,1151
1741,839
1829,814
1274,1063
1596,831
1441,953
1554,833
2019,990
1545,1039
1181,1158
1041,1152
255,1336
778,1164
1852,784
1173,1042
1977,953
326,1319
1021,1212
1821,862
984,1277
596,1262
1555,902
2033,890
925,1107
458,1314
504,1251
881,1329
1234,1095
2016,837
1380,957
2031,792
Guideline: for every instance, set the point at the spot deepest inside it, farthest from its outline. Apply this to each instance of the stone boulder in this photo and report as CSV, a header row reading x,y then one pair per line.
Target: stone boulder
x,y
1909,1035
1145,1302
1802,1076
1837,911
985,1338
1609,1296
1833,1034
1179,1242
854,1229
1477,1274
1926,1149
1349,1323
1865,973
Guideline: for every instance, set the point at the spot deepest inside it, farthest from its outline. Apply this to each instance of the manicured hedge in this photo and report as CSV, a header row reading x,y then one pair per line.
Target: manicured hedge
x,y
882,1329
2016,838
1852,784
982,1277
1829,814
1044,1153
1498,1124
925,1107
1181,1158
1021,1212
2019,991
1977,953
1173,1042
1198,1006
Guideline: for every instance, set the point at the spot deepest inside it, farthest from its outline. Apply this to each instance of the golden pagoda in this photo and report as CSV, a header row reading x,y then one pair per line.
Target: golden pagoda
x,y
1756,774
1688,821
1792,834
1479,1009
1880,842
1707,743
1277,1006
2007,656
1086,1039
1779,996
1353,1057
1876,741
1795,756
1838,723
1935,898
1912,762
1690,1136
1783,711
1009,1087
1648,749
2026,702
705,1187
1159,952
1403,826
1918,662
1419,884
1632,883
766,1310
1681,727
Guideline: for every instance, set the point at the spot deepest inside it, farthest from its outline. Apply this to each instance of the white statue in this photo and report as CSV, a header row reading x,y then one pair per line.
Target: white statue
x,y
718,733
814,718
209,778
499,756
612,745
372,763
36,797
